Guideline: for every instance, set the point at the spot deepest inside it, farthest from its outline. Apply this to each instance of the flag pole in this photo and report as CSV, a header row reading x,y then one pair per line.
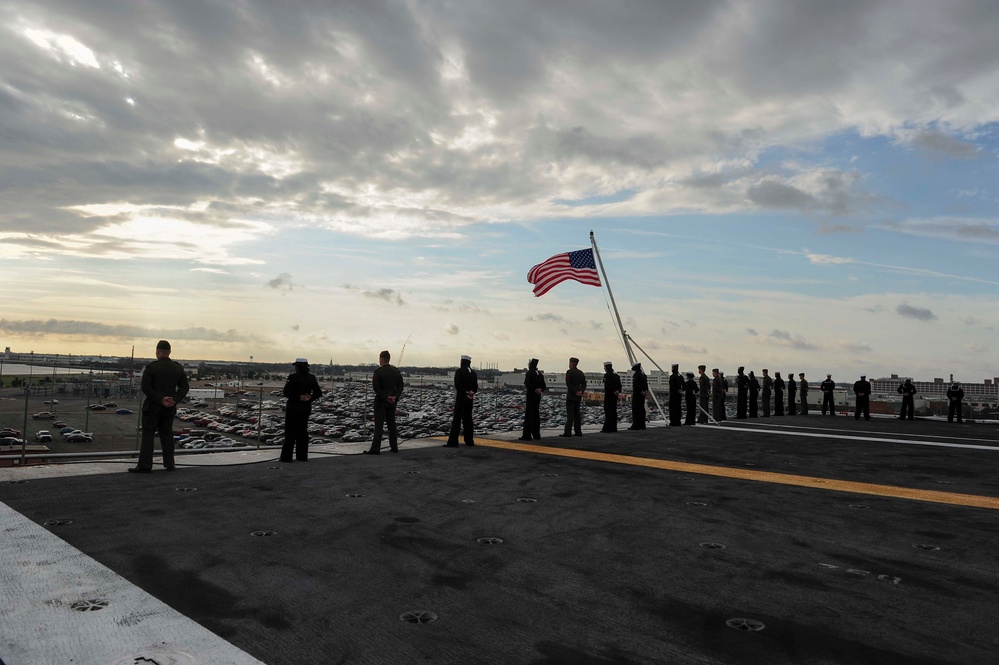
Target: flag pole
x,y
624,335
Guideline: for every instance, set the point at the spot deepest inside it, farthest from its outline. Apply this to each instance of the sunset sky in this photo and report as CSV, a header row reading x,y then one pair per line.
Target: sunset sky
x,y
806,186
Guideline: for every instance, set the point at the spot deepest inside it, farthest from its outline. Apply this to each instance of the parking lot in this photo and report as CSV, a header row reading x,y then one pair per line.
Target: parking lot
x,y
342,414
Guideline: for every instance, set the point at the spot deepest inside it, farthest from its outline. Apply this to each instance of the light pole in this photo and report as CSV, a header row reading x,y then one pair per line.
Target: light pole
x,y
24,427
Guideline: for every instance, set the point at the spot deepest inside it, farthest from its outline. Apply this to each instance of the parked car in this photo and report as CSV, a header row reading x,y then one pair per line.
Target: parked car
x,y
10,431
51,401
124,412
80,437
10,441
67,430
43,415
111,405
58,424
97,407
43,436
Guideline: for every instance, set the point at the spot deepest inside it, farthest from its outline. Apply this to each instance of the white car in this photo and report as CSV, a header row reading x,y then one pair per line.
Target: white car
x,y
43,436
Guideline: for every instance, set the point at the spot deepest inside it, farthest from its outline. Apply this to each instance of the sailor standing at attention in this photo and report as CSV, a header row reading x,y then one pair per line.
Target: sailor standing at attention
x,y
908,392
466,384
676,388
717,395
575,384
827,387
778,395
388,386
803,391
792,393
690,390
741,393
768,386
164,383
612,391
639,390
862,389
955,394
534,385
704,394
754,392
301,389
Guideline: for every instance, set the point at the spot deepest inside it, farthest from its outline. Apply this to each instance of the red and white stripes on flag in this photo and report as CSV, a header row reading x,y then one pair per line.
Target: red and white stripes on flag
x,y
578,265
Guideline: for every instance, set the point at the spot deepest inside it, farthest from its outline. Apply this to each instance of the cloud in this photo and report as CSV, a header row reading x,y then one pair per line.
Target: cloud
x,y
388,295
948,228
935,141
452,306
296,327
971,321
282,283
751,332
917,313
973,347
95,329
784,338
852,347
825,259
548,317
452,329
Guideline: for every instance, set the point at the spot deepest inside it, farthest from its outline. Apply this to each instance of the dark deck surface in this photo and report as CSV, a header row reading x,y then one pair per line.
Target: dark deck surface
x,y
601,562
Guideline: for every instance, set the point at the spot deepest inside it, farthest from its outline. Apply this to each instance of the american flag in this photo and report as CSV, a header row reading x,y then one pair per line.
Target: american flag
x,y
576,265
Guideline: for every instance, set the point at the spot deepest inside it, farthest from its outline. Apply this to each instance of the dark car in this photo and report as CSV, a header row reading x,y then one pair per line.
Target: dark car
x,y
124,412
79,438
97,407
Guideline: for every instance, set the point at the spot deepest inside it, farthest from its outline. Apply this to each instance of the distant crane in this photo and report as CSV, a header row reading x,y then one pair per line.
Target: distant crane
x,y
399,362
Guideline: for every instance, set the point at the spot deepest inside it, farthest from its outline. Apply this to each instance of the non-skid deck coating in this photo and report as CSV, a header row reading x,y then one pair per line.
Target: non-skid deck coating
x,y
611,551
763,476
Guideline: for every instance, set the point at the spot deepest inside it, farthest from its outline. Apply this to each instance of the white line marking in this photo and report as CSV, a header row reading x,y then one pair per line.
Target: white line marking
x,y
42,576
937,444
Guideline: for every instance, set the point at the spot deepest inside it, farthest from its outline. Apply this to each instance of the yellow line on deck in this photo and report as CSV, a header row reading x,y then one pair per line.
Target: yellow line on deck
x,y
972,500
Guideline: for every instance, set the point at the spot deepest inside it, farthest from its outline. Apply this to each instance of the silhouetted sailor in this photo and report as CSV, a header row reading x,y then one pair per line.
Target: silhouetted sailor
x,y
955,395
908,392
534,386
164,383
803,392
741,393
862,389
676,388
388,385
301,389
690,391
792,394
724,411
754,395
778,395
704,394
466,384
612,391
639,390
717,395
827,387
768,387
575,385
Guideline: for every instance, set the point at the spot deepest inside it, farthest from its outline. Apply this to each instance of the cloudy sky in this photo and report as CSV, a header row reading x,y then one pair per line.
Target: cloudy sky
x,y
806,186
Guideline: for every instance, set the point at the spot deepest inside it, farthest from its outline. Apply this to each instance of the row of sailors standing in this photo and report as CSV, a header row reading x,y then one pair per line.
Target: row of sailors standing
x,y
698,395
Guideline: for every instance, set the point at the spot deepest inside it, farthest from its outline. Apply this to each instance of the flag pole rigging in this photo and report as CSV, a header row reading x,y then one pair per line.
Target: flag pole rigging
x,y
624,335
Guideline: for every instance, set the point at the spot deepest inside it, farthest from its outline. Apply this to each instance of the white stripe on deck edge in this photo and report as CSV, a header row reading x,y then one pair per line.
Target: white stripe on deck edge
x,y
42,576
910,442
